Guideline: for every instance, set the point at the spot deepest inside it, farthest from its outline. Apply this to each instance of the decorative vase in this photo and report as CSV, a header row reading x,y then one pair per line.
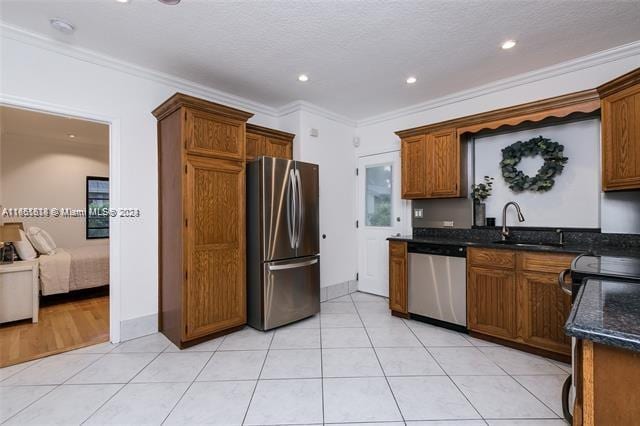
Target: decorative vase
x,y
480,214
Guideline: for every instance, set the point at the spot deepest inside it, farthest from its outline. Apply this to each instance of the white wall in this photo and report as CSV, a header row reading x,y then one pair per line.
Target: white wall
x,y
333,151
619,213
48,74
574,200
51,173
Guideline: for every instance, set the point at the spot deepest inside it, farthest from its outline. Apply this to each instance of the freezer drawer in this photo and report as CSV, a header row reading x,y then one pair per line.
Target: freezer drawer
x,y
290,292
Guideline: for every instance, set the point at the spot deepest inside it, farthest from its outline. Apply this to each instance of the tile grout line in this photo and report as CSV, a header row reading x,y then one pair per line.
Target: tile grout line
x,y
384,374
446,373
255,387
123,384
192,382
520,384
321,365
55,385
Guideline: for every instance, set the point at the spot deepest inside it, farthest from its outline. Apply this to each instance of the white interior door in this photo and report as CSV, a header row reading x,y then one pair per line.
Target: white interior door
x,y
381,214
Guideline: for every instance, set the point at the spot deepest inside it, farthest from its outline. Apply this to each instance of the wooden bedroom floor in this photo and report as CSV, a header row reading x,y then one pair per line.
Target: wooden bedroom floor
x,y
61,327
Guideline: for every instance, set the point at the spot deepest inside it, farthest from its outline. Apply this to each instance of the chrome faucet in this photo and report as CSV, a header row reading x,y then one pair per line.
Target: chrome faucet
x,y
505,230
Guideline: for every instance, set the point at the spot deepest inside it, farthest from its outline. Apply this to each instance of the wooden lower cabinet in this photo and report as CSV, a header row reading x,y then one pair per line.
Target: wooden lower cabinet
x,y
542,312
518,298
607,385
398,278
491,302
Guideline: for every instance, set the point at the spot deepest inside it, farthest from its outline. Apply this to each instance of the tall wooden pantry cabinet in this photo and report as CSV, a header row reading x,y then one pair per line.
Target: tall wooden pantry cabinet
x,y
201,173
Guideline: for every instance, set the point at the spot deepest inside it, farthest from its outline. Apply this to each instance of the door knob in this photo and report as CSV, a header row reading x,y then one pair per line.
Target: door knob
x,y
398,219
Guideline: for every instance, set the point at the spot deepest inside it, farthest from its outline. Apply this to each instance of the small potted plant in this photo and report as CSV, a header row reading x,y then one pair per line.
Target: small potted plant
x,y
480,193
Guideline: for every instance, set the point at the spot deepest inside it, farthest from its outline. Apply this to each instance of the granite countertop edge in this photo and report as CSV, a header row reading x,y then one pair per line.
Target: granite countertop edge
x,y
573,249
605,336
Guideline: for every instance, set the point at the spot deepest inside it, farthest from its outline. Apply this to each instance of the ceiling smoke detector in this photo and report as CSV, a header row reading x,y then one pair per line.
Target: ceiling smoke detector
x,y
62,26
169,2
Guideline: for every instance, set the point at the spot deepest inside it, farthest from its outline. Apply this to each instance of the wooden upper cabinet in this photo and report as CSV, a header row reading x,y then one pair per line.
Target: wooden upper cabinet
x,y
254,145
621,132
414,167
213,135
215,297
443,174
432,165
262,141
398,277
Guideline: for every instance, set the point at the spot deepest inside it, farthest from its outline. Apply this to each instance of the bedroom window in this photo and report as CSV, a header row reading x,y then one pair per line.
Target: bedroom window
x,y
97,222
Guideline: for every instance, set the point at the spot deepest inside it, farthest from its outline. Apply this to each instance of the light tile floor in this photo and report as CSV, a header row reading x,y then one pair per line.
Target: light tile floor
x,y
353,363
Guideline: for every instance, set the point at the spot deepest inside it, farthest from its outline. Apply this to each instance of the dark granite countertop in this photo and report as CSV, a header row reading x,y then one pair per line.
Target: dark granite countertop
x,y
607,312
594,243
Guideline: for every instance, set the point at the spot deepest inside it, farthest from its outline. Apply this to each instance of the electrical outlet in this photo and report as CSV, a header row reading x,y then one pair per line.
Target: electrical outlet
x,y
417,213
447,224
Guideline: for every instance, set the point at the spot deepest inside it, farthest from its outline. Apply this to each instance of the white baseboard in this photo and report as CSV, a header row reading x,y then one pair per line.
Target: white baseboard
x,y
138,327
338,290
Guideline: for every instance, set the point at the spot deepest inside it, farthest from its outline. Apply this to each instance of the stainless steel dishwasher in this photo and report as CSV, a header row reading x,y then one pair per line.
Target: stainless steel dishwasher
x,y
438,284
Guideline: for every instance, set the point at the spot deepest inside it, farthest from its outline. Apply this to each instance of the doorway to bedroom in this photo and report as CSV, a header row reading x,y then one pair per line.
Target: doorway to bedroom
x,y
54,234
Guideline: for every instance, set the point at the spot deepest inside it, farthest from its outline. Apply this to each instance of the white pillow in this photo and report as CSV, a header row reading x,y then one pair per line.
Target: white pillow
x,y
41,240
24,248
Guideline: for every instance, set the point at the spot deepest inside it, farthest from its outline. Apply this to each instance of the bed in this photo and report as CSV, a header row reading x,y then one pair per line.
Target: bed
x,y
74,269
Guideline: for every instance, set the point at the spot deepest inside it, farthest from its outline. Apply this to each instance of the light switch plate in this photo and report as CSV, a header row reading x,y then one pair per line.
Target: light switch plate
x,y
418,213
447,224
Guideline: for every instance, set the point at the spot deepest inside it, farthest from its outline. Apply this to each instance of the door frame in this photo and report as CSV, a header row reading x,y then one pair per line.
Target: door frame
x,y
405,205
115,180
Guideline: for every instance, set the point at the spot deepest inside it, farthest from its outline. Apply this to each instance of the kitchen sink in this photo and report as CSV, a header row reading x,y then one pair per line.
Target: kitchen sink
x,y
527,244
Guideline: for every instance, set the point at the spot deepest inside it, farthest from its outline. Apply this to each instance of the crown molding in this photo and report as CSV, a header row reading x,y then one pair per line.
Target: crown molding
x,y
598,58
315,109
89,56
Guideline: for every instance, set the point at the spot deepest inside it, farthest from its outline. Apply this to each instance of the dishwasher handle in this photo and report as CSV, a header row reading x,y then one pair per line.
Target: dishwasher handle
x,y
437,249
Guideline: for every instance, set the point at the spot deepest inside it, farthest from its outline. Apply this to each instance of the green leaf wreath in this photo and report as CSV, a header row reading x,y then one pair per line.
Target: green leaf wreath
x,y
554,161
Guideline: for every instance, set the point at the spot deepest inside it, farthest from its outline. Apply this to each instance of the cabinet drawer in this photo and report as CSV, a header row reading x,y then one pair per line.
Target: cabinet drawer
x,y
494,258
544,262
397,249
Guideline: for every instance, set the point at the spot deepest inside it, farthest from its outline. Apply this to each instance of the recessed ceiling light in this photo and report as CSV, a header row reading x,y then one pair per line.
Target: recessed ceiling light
x,y
303,78
508,44
411,80
62,25
71,135
123,1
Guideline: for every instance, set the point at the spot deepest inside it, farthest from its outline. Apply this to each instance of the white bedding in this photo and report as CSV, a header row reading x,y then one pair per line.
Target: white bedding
x,y
74,269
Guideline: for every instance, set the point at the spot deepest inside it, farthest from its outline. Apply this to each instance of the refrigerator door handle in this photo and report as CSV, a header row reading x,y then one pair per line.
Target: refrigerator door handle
x,y
293,265
299,208
291,209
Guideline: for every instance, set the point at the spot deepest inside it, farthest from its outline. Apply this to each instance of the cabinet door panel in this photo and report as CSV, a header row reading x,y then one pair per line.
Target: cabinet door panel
x,y
414,167
212,135
444,159
398,280
491,302
255,146
214,293
621,139
543,310
278,148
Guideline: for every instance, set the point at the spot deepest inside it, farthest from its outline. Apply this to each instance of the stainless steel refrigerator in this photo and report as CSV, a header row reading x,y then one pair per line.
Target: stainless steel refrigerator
x,y
283,246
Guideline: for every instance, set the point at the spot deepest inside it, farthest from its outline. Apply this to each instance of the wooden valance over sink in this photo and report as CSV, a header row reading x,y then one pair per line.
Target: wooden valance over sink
x,y
586,101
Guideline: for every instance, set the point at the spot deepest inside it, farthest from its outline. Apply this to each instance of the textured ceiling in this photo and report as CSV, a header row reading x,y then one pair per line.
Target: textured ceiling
x,y
356,53
38,125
